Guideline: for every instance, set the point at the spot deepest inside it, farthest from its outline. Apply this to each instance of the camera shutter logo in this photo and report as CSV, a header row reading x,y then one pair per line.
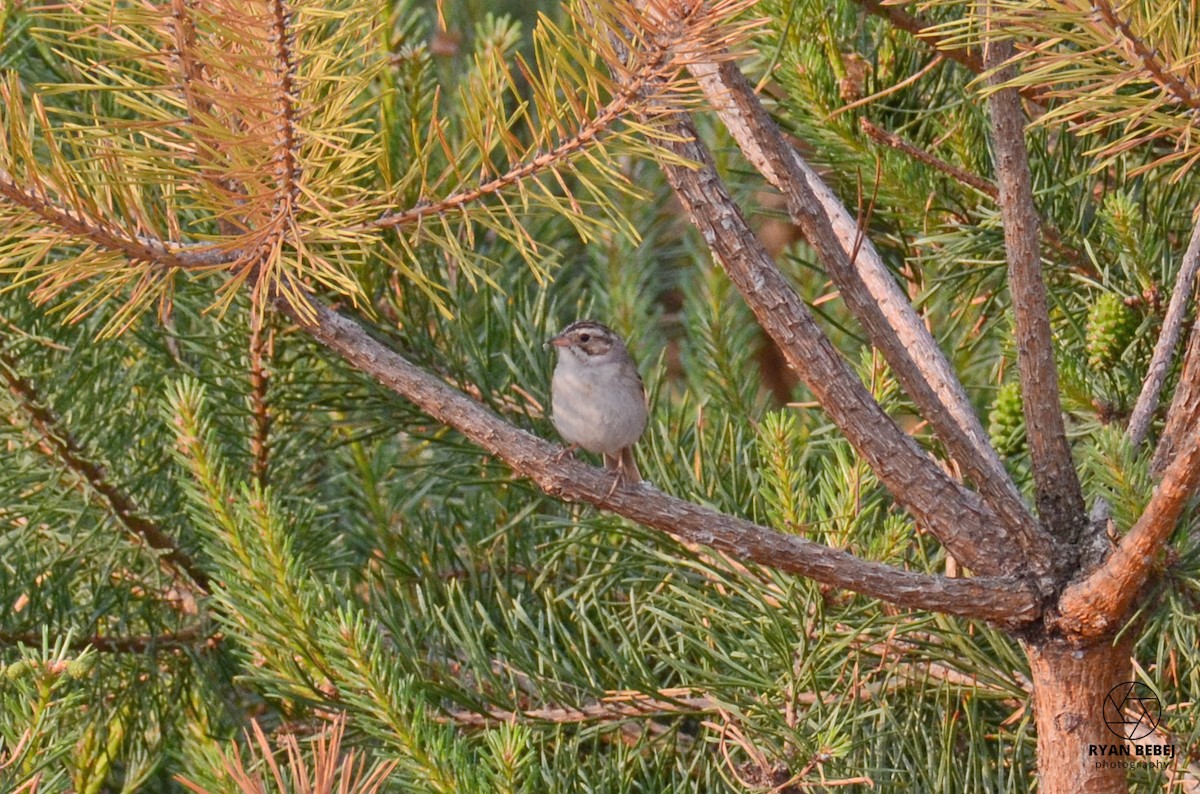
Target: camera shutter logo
x,y
1132,710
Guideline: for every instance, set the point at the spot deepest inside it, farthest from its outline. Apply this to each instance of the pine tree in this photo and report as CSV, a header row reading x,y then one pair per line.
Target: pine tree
x,y
280,498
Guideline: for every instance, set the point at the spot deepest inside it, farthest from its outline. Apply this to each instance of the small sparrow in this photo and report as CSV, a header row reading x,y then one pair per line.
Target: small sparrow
x,y
597,400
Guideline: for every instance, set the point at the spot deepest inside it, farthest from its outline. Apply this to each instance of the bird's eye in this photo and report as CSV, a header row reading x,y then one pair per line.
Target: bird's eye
x,y
584,337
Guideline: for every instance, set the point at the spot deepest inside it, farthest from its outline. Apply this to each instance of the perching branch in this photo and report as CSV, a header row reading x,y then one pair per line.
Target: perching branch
x,y
1003,600
58,442
1164,348
872,293
1059,497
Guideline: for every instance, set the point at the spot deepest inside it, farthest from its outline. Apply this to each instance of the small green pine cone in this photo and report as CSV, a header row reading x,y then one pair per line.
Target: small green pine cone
x,y
17,669
80,667
1006,421
1110,328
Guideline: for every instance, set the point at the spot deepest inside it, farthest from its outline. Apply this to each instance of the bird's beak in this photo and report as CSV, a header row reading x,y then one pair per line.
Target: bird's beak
x,y
556,341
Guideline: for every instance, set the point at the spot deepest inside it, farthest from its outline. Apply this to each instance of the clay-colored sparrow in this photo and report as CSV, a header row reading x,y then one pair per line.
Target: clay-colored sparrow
x,y
597,400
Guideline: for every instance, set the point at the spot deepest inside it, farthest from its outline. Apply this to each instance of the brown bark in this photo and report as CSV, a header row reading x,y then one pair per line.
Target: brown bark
x,y
1069,687
1185,405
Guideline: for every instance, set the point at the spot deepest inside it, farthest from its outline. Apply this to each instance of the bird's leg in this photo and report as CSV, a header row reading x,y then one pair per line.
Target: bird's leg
x,y
566,452
613,463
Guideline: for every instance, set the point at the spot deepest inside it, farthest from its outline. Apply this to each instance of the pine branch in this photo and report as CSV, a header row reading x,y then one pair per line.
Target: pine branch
x,y
265,593
1146,56
921,30
1099,604
614,707
60,444
196,638
1168,339
1000,599
1052,236
881,306
614,112
74,222
265,150
1125,75
894,141
667,42
191,68
1184,413
869,290
192,75
261,347
332,770
955,515
271,156
1059,497
623,705
287,171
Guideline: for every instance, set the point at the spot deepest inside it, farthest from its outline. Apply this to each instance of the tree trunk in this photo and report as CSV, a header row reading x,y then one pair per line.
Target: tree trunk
x,y
1069,687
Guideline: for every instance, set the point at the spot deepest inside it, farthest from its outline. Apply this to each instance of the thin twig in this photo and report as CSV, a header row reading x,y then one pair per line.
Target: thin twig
x,y
636,91
615,706
1146,57
585,136
923,31
920,29
894,141
261,348
1052,236
196,637
101,233
936,61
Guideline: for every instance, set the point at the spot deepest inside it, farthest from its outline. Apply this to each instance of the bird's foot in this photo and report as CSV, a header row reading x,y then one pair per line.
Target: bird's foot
x,y
618,481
